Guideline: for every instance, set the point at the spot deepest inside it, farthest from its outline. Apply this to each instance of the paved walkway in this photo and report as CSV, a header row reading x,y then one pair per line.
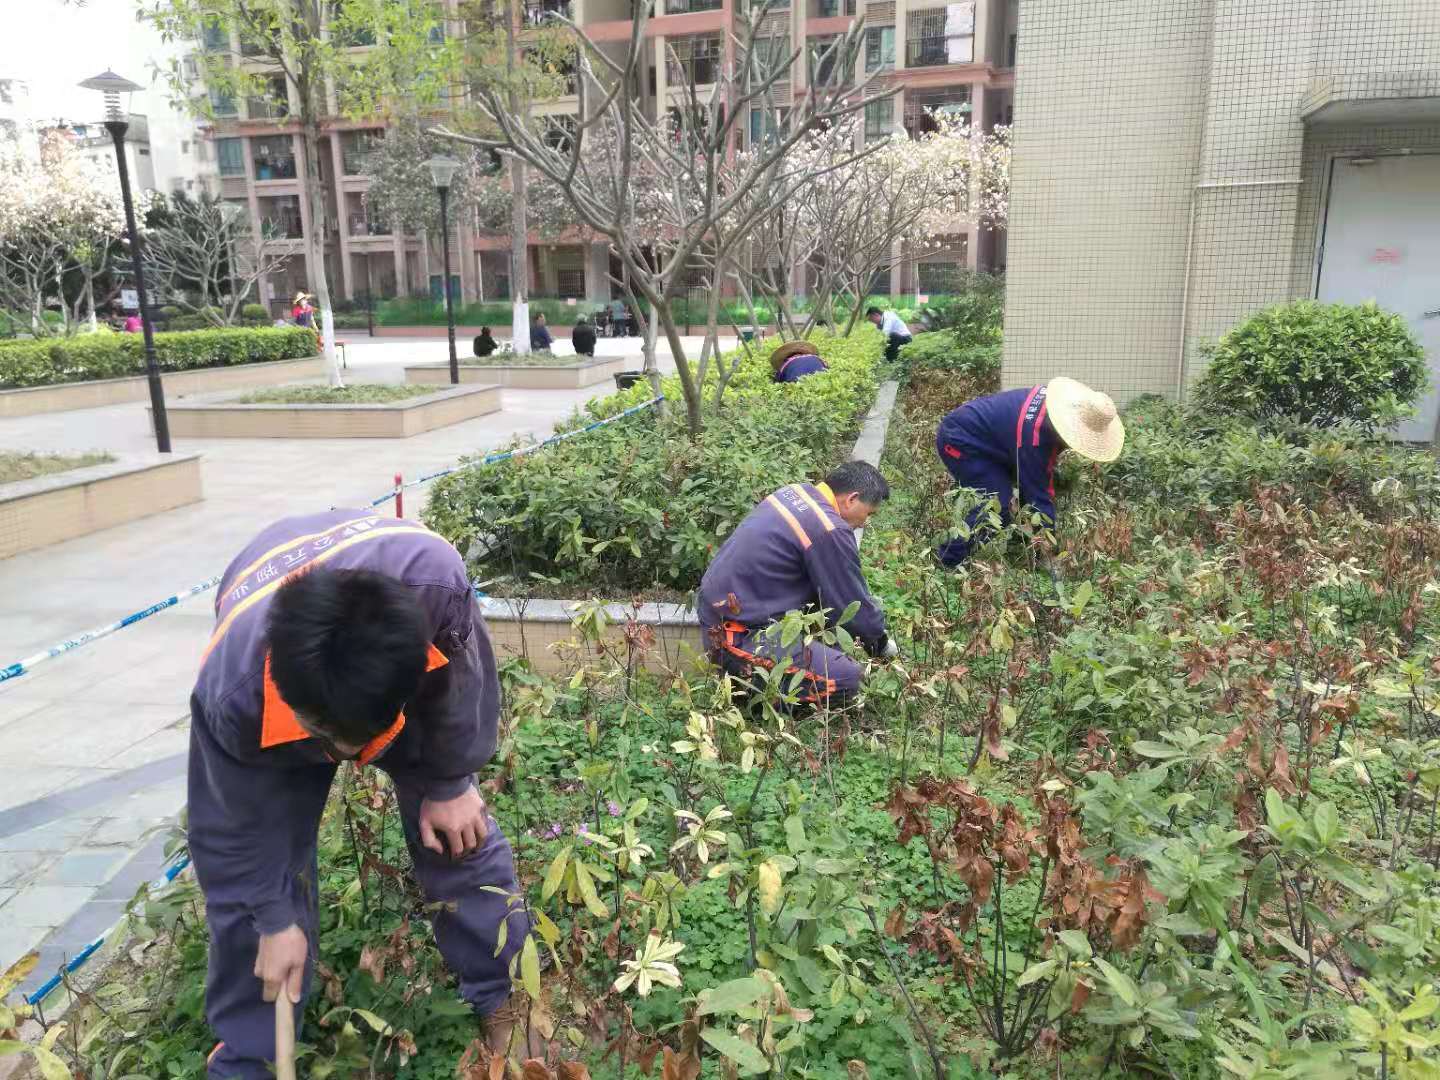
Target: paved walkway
x,y
92,773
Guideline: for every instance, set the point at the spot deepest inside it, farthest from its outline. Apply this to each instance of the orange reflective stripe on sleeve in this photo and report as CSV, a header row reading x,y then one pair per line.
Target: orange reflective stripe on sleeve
x,y
799,489
795,526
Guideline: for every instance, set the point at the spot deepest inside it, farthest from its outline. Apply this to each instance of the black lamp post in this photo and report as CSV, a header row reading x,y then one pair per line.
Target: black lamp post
x,y
442,171
117,122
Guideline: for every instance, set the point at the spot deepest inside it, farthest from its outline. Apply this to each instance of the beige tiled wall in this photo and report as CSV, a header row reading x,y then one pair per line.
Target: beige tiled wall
x,y
1166,183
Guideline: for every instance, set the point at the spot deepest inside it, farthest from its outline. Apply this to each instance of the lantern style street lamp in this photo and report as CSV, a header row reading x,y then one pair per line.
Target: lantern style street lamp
x,y
442,171
116,90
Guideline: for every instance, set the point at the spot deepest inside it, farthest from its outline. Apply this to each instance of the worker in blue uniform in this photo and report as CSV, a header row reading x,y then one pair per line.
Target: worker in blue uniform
x,y
797,551
794,360
1006,445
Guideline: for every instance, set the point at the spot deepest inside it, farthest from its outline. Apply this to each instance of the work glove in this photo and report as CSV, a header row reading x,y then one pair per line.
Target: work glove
x,y
891,650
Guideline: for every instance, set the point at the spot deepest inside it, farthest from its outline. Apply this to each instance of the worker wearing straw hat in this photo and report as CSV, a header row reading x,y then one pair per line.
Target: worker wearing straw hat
x,y
794,360
1006,445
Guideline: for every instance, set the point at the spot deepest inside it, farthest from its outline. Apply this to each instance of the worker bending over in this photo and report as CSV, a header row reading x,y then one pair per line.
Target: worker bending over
x,y
342,636
794,360
1006,445
797,550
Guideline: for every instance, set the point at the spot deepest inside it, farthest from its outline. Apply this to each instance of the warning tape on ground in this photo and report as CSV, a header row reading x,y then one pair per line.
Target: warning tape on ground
x,y
29,663
88,951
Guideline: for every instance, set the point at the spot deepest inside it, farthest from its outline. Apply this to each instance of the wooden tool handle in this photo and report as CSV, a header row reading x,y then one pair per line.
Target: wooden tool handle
x,y
284,1037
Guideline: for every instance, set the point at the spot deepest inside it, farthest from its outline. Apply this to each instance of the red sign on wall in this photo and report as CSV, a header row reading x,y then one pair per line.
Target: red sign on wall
x,y
1387,255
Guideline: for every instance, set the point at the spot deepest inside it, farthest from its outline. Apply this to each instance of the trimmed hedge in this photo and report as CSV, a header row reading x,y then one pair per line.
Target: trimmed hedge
x,y
638,505
117,356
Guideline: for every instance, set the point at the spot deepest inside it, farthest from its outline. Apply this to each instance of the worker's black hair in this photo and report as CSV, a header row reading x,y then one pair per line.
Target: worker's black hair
x,y
860,478
873,311
347,650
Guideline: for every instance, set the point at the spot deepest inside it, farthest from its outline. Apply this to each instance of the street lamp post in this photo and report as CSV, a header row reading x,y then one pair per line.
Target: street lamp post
x,y
442,171
117,122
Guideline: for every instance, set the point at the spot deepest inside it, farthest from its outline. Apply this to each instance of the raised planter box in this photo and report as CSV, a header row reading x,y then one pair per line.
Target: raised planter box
x,y
63,397
50,509
533,628
586,372
391,420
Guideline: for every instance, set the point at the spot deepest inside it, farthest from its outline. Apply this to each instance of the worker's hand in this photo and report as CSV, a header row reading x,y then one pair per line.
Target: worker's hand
x,y
459,822
280,962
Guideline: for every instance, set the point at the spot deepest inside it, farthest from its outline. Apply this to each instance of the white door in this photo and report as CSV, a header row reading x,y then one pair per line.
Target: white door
x,y
1382,242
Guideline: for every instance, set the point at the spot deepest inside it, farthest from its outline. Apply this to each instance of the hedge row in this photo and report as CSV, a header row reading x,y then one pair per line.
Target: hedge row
x,y
638,504
115,356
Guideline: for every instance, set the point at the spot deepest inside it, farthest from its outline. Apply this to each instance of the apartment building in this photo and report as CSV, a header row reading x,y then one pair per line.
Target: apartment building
x,y
92,142
956,56
1184,164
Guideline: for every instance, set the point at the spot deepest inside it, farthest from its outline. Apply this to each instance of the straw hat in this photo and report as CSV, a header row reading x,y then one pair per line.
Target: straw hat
x,y
1086,419
789,349
301,296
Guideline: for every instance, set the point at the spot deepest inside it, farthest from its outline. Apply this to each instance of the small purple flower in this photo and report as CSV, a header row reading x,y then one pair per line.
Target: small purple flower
x,y
554,831
613,807
581,830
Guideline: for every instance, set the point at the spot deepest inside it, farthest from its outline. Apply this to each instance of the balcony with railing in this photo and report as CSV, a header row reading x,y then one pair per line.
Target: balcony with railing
x,y
688,7
280,218
357,152
361,224
273,160
933,38
829,9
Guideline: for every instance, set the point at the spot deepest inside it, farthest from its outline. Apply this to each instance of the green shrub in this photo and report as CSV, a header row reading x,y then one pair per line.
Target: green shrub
x,y
1320,364
1174,457
254,313
168,311
941,350
975,314
637,504
114,356
352,321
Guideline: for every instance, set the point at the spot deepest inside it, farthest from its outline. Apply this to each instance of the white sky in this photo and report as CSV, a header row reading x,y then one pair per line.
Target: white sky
x,y
53,46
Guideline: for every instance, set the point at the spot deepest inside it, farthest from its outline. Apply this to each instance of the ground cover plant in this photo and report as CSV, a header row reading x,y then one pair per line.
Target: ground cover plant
x,y
113,356
358,394
638,505
1157,794
21,465
534,358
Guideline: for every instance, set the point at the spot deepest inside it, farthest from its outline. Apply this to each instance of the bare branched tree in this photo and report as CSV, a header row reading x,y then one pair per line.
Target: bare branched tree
x,y
207,259
673,191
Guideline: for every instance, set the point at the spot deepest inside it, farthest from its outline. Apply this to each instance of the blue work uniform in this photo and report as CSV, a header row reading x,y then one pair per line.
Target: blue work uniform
x,y
258,783
792,552
1002,445
797,367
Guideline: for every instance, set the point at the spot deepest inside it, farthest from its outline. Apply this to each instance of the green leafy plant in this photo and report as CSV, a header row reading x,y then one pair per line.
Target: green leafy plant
x,y
1320,364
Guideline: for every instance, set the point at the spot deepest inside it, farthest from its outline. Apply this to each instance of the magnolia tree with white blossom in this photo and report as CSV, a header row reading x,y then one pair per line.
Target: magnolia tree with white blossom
x,y
858,216
669,193
60,220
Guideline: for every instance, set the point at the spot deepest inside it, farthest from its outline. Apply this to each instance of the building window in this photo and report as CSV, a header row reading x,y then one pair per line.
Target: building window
x,y
357,151
768,55
1010,51
922,110
939,36
214,36
274,158
828,9
694,59
879,119
570,281
879,48
221,103
230,153
684,7
280,217
825,61
938,278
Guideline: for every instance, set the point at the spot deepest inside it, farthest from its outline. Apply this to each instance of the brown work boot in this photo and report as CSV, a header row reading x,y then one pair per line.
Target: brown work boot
x,y
507,1031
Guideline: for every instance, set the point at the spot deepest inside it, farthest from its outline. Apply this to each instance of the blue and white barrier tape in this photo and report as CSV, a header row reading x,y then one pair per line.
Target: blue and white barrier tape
x,y
20,667
506,455
171,873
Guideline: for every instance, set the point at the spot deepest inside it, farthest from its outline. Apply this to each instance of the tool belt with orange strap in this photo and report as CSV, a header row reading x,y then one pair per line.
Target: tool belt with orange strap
x,y
819,687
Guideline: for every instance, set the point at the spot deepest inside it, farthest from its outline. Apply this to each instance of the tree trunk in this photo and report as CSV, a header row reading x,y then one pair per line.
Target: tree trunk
x,y
647,354
90,300
315,249
693,422
519,259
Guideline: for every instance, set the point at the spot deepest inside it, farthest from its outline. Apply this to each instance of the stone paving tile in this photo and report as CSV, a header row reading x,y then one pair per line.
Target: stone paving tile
x,y
52,835
15,942
20,867
21,784
83,866
5,895
46,905
166,742
79,733
126,830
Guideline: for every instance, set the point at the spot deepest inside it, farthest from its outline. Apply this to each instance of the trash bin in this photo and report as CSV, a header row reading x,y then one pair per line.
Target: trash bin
x,y
747,336
626,379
